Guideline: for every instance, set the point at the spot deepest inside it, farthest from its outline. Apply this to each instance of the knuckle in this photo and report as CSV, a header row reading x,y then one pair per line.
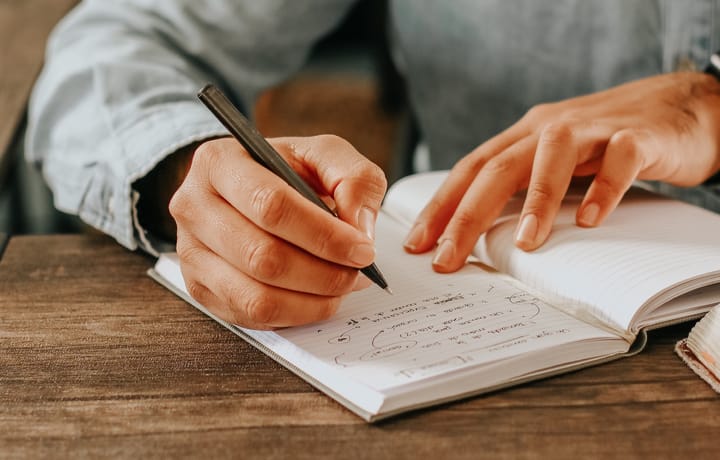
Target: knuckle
x,y
328,308
500,165
340,282
538,111
207,156
633,156
332,141
326,243
180,204
625,138
471,162
377,174
463,164
432,209
464,219
269,205
626,143
375,179
197,291
609,185
556,133
190,254
235,295
368,177
185,203
265,261
260,308
210,161
540,193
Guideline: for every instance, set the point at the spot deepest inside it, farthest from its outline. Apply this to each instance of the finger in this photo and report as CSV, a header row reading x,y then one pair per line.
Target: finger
x,y
621,164
561,148
356,185
433,219
241,300
363,282
191,254
266,258
271,204
483,201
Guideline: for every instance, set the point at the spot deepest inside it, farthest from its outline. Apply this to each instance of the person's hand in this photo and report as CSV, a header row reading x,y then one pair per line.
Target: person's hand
x,y
664,128
256,252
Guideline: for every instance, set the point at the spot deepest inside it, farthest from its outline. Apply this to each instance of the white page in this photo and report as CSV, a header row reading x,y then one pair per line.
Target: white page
x,y
433,323
646,245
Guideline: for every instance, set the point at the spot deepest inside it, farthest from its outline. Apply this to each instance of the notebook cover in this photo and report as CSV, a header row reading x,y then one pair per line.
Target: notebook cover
x,y
698,367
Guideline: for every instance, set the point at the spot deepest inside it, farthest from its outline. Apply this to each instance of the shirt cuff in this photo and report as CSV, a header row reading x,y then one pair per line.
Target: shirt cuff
x,y
108,201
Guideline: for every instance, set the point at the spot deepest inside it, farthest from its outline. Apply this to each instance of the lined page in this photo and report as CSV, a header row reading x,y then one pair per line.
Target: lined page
x,y
434,326
433,323
646,246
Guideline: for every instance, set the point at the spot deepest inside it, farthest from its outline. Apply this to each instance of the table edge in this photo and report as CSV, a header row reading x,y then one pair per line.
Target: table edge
x,y
4,238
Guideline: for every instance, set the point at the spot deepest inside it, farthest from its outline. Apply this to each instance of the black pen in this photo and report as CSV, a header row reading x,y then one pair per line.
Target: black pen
x,y
266,155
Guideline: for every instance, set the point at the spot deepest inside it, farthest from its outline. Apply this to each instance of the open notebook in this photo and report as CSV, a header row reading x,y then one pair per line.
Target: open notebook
x,y
586,297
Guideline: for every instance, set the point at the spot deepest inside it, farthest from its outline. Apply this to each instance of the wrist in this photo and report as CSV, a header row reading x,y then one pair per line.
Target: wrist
x,y
156,189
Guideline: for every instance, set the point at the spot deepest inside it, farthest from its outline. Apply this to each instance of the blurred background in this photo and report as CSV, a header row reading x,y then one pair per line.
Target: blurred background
x,y
348,87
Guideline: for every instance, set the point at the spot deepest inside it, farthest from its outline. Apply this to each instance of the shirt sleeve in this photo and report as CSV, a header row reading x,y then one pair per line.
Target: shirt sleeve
x,y
118,90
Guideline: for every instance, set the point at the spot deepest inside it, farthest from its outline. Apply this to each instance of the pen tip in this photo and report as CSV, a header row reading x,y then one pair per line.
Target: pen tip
x,y
388,290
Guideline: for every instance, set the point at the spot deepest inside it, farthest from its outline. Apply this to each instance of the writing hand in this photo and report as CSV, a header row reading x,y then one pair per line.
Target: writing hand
x,y
663,128
256,252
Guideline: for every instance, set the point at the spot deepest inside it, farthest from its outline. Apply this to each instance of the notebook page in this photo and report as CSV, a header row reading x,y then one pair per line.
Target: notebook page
x,y
433,323
647,245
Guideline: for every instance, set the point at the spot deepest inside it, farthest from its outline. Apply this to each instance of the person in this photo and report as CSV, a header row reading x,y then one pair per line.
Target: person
x,y
522,95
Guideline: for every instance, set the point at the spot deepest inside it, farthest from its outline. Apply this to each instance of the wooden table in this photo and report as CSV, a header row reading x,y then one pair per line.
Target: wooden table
x,y
98,360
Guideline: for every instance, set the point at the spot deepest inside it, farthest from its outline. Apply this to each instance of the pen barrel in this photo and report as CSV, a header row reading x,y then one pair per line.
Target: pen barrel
x,y
375,275
255,144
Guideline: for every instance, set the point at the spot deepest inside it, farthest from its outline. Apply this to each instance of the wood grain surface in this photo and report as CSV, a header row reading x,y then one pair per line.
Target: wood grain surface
x,y
98,360
24,27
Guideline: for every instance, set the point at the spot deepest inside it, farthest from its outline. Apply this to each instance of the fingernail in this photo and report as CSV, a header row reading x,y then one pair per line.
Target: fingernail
x,y
527,229
589,215
362,254
444,254
415,237
366,221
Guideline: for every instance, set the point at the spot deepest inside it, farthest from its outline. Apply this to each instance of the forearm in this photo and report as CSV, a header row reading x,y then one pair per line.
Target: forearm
x,y
118,92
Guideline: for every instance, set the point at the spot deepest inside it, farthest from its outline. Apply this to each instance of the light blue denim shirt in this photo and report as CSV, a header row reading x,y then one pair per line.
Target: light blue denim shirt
x,y
117,93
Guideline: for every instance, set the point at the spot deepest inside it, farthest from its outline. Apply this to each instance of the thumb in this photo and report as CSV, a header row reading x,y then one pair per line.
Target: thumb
x,y
358,201
356,184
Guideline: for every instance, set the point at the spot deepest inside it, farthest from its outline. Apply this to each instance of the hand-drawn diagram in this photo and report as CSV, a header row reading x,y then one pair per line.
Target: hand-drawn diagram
x,y
421,337
457,318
